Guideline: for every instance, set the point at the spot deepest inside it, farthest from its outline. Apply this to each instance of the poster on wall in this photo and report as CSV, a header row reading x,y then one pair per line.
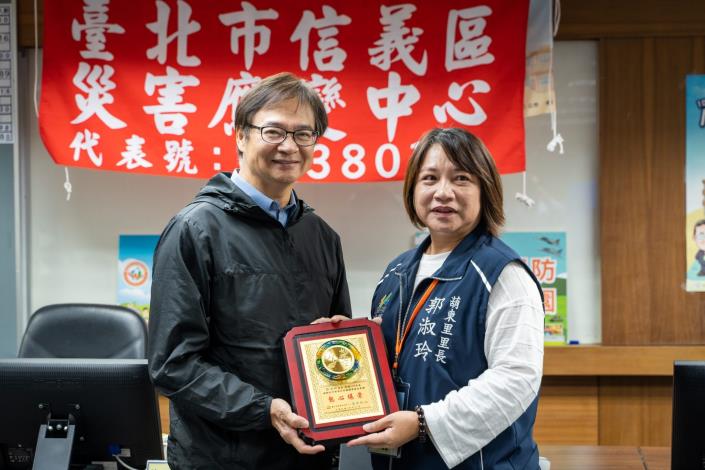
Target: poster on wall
x,y
545,254
695,182
539,93
135,255
151,86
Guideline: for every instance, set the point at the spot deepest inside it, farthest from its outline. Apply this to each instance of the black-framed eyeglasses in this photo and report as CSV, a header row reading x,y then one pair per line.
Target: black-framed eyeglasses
x,y
277,135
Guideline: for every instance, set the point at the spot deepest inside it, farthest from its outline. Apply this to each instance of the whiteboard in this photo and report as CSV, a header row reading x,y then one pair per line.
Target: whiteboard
x,y
72,246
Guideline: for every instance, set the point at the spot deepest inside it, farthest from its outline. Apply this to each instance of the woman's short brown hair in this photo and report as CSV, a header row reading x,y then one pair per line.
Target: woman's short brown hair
x,y
468,152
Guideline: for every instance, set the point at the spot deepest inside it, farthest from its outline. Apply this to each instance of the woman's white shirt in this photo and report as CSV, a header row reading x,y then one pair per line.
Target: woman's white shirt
x,y
428,265
467,419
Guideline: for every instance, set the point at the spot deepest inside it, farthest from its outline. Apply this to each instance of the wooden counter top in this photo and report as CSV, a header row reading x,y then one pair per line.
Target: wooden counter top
x,y
593,360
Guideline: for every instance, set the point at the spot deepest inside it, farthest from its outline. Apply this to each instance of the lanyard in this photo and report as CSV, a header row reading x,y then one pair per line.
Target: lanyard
x,y
400,339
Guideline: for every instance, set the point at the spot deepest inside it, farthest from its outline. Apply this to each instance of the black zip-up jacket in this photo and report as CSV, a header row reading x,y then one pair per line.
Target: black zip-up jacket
x,y
228,283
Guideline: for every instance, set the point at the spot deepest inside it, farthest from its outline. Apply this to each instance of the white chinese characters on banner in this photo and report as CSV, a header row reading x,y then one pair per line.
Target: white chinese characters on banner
x,y
329,91
379,80
397,41
328,56
472,49
392,102
133,156
86,141
184,28
178,156
455,93
255,37
234,90
169,114
94,29
95,82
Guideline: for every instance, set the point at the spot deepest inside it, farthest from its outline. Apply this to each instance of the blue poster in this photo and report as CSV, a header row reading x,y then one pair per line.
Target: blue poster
x,y
135,254
695,182
545,254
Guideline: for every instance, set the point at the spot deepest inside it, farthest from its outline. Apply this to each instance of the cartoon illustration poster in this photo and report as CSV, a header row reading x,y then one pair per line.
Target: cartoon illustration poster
x,y
545,254
135,253
695,182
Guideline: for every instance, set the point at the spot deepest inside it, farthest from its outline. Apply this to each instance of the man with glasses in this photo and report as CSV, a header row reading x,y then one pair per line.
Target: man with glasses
x,y
238,267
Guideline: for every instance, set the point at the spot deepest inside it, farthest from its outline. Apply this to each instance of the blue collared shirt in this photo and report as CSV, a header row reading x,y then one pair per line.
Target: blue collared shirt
x,y
269,205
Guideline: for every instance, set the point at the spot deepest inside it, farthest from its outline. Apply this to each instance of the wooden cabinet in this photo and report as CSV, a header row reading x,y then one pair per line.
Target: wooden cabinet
x,y
609,395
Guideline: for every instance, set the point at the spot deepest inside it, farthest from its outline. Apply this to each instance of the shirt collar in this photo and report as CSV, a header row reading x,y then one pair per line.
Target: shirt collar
x,y
267,204
456,263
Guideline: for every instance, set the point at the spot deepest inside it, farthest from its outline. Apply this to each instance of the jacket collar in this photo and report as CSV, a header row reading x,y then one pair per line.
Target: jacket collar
x,y
456,264
221,192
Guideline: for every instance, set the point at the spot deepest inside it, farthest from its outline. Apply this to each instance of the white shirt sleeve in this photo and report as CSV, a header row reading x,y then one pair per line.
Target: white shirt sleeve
x,y
469,418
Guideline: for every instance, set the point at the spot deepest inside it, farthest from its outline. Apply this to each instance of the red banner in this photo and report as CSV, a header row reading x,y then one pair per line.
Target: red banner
x,y
150,86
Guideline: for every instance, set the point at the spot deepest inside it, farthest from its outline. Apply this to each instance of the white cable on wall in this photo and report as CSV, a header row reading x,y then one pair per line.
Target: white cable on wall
x,y
557,140
67,184
522,196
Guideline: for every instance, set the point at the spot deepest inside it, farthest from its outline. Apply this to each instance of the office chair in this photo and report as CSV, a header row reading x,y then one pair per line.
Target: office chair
x,y
90,331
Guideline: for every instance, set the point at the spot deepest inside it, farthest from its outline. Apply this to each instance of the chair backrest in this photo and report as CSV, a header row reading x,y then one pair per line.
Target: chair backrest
x,y
85,331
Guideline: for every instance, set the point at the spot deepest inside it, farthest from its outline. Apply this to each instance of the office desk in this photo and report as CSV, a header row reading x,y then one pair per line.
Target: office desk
x,y
561,457
607,457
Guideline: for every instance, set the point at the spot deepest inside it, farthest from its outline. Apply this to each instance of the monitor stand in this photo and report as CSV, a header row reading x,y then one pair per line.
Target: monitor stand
x,y
54,445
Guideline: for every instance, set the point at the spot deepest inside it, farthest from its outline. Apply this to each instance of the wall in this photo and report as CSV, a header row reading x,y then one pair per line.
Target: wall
x,y
8,318
565,187
646,47
642,179
8,221
73,245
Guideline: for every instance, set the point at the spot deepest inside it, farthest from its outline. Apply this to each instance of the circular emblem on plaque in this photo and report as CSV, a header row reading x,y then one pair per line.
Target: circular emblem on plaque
x,y
337,359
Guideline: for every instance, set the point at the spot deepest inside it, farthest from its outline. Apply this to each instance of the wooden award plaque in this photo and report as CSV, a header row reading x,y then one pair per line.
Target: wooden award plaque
x,y
339,378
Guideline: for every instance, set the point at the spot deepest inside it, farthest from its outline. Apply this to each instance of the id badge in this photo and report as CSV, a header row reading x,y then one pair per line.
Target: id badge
x,y
402,390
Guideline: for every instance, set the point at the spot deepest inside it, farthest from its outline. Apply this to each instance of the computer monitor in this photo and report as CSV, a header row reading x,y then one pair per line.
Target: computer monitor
x,y
82,411
688,438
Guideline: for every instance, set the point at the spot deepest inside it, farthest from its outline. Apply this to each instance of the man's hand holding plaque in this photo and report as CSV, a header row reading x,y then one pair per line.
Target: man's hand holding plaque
x,y
339,378
288,423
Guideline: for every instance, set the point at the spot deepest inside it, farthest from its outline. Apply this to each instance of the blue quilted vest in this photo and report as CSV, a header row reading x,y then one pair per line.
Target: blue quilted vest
x,y
445,346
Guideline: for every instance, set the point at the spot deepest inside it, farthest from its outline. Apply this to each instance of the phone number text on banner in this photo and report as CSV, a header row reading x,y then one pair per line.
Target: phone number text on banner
x,y
151,86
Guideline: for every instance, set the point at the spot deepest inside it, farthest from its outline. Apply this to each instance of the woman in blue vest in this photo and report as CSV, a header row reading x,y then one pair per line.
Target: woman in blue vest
x,y
462,318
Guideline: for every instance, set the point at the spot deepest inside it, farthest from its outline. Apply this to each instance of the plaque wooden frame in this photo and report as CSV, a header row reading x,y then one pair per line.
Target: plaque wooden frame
x,y
342,429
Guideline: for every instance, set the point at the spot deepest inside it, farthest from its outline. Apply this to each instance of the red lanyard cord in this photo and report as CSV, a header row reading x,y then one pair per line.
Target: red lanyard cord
x,y
400,341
